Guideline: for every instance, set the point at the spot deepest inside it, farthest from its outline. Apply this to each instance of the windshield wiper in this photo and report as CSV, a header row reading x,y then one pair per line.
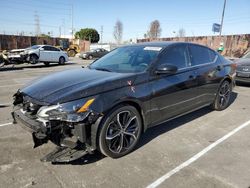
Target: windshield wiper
x,y
102,69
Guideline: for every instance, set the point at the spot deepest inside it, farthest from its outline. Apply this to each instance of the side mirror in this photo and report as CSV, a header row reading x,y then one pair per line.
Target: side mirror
x,y
166,69
41,49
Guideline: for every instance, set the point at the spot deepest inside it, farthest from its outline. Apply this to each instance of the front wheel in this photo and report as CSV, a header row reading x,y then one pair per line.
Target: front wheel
x,y
34,59
223,96
120,131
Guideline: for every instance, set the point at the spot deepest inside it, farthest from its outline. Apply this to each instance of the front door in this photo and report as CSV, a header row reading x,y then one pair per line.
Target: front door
x,y
173,94
45,54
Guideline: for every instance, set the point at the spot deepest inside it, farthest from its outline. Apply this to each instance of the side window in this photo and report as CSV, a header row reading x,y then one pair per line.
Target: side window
x,y
212,55
176,55
46,48
54,49
200,55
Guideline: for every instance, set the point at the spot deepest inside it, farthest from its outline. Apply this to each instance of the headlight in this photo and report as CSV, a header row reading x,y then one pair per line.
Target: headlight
x,y
72,111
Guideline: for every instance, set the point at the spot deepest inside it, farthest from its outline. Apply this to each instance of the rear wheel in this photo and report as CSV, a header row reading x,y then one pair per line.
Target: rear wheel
x,y
61,61
120,131
71,53
223,96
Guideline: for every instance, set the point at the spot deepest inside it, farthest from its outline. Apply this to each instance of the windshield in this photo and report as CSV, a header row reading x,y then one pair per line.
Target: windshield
x,y
34,47
247,55
128,59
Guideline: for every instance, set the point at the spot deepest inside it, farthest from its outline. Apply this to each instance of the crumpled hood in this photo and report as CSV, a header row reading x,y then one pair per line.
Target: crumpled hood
x,y
75,84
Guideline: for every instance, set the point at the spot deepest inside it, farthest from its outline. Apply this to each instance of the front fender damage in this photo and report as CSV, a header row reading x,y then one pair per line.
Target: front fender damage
x,y
73,139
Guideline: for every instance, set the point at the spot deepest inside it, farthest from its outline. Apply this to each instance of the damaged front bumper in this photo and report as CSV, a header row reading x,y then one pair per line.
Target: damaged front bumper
x,y
73,139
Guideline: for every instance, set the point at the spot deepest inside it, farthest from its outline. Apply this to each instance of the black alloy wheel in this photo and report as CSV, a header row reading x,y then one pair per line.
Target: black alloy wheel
x,y
120,131
223,96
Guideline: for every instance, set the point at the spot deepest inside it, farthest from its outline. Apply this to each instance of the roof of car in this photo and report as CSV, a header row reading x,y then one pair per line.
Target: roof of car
x,y
159,44
162,44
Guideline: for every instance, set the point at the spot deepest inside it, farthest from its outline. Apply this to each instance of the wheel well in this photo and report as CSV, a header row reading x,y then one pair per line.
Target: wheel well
x,y
34,55
138,108
228,79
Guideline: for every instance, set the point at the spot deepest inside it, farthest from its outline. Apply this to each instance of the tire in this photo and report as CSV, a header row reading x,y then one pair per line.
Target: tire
x,y
61,61
118,139
222,99
34,59
71,53
46,64
90,57
2,63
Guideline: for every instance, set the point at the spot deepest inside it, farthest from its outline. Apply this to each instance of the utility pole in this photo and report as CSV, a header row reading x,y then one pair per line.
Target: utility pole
x,y
60,31
222,17
72,21
37,24
101,34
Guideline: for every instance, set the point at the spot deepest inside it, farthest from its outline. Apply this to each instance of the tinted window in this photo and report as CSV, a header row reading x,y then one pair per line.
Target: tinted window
x,y
54,49
46,48
212,55
201,55
176,55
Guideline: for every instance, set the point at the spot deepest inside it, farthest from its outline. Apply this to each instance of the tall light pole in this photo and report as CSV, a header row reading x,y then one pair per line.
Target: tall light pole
x,y
72,21
222,17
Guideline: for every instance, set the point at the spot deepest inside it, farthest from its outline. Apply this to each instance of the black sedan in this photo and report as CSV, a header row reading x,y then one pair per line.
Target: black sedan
x,y
95,53
108,105
243,69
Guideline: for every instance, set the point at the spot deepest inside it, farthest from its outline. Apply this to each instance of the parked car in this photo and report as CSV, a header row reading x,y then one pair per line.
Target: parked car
x,y
40,53
108,105
96,53
243,68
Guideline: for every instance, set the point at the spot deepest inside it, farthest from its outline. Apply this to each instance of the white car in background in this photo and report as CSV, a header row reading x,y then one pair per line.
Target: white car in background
x,y
44,53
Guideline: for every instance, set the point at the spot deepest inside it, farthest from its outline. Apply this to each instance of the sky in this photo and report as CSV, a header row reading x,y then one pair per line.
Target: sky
x,y
55,16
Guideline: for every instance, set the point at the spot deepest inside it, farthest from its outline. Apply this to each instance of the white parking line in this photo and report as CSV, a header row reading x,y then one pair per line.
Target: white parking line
x,y
160,180
5,124
5,104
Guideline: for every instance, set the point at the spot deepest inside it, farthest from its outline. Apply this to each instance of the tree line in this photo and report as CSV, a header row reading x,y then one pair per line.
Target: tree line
x,y
153,32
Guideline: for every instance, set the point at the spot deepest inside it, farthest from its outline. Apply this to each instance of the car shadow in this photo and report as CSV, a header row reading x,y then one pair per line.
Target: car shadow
x,y
29,66
175,123
243,84
151,133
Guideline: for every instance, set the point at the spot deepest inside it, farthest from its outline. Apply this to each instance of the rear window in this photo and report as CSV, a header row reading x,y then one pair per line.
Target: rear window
x,y
201,55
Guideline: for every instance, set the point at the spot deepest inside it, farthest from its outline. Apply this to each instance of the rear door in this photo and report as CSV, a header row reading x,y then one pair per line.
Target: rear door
x,y
173,94
55,54
209,69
